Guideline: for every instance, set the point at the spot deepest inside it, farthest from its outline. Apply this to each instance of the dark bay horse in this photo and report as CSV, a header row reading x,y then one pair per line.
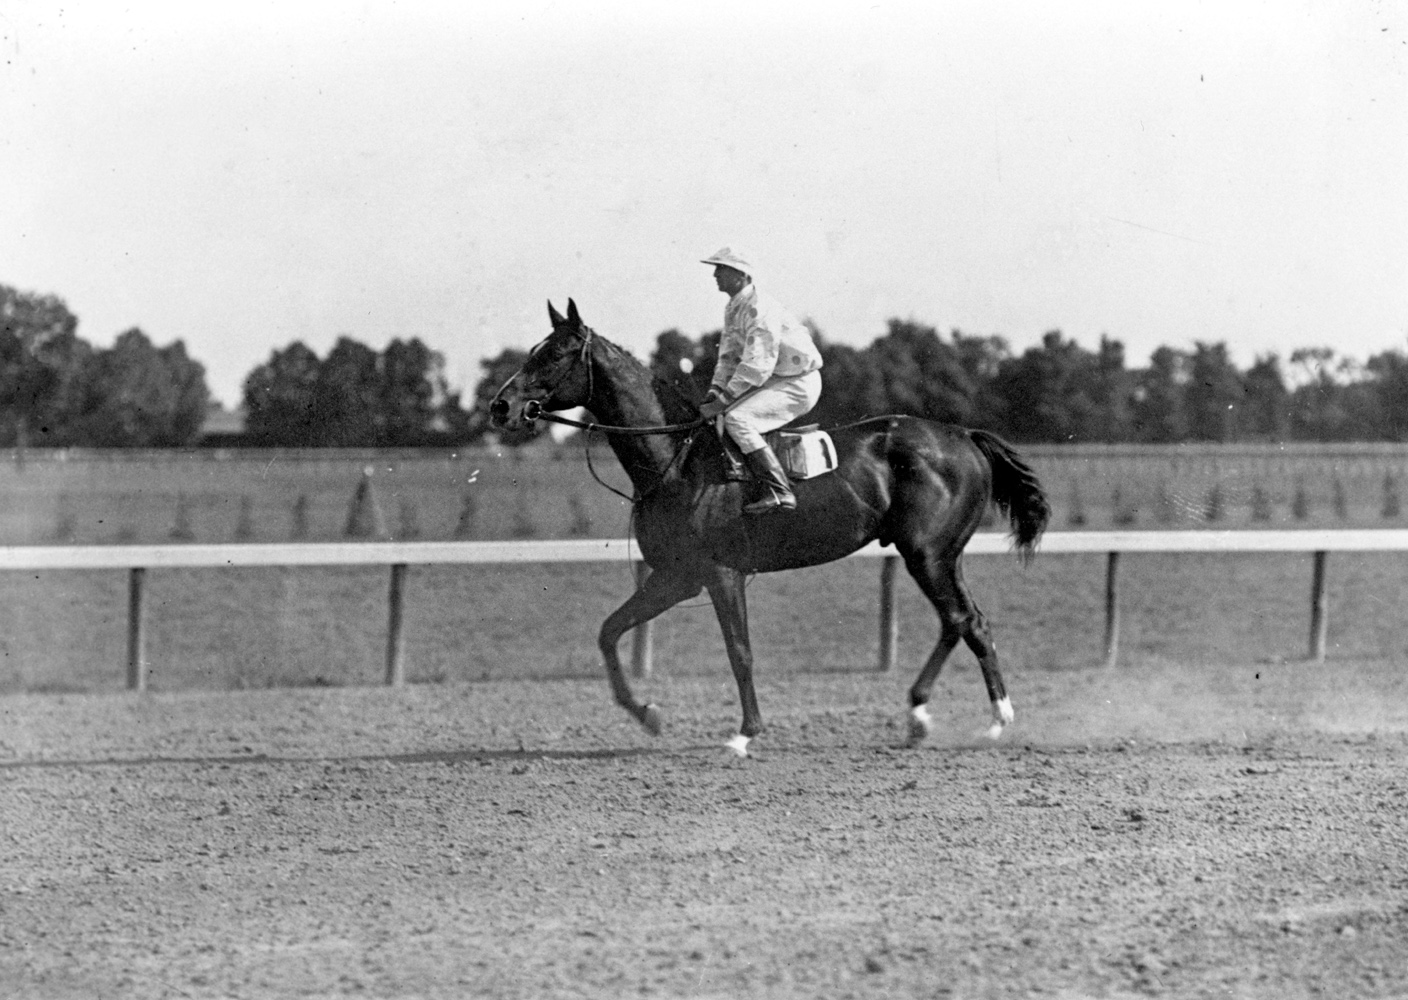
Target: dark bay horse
x,y
914,484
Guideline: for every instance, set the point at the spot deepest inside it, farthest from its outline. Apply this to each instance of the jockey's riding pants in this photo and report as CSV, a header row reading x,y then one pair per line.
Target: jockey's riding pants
x,y
778,401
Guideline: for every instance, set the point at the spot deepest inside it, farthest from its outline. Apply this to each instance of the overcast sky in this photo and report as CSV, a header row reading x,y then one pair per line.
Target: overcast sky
x,y
240,176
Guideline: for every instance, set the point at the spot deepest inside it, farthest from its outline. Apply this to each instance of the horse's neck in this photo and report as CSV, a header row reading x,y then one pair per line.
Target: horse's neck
x,y
625,395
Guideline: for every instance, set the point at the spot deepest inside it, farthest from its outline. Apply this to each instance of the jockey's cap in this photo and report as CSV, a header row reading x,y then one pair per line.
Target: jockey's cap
x,y
729,257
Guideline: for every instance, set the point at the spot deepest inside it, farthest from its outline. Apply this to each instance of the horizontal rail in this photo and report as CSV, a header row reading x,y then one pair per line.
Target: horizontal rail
x,y
313,554
32,557
1327,540
137,559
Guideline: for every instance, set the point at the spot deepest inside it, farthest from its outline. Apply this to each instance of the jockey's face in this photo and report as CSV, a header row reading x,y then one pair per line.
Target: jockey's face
x,y
730,280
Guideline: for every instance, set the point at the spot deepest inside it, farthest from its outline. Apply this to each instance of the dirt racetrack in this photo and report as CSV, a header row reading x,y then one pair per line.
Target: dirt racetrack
x,y
1157,830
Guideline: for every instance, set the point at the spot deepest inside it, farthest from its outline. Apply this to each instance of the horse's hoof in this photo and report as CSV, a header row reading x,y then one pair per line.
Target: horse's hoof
x,y
650,719
739,745
920,725
1002,716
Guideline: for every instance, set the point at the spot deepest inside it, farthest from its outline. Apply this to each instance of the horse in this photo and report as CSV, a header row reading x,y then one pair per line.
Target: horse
x,y
916,484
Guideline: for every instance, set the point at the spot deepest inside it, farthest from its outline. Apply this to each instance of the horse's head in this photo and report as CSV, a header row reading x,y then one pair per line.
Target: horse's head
x,y
556,376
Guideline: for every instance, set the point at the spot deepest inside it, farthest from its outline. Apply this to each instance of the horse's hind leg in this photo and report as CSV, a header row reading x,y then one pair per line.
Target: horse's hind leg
x,y
940,577
660,592
979,639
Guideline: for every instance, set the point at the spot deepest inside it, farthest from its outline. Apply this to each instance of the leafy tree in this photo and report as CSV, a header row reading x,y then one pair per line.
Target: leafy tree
x,y
1388,374
1056,392
1112,392
922,375
1214,394
41,364
280,398
353,398
414,395
1318,410
459,424
911,370
1266,410
347,397
852,387
1159,413
981,359
138,395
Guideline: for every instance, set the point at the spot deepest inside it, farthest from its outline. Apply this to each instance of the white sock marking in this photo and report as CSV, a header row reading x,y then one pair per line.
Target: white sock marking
x,y
1002,716
920,724
738,744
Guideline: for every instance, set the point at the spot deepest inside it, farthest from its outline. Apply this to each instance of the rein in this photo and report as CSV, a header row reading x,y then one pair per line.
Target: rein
x,y
533,410
627,431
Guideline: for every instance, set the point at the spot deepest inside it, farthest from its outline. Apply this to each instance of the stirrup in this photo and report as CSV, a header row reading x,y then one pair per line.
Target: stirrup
x,y
772,503
735,466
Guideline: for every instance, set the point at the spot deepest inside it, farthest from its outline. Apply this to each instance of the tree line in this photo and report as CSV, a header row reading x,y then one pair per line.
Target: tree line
x,y
1058,391
354,398
58,390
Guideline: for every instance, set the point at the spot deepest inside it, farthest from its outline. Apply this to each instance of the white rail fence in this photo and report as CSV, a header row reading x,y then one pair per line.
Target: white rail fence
x,y
400,556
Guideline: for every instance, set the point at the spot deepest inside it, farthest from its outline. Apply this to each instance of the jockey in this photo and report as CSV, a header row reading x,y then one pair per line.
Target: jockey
x,y
768,374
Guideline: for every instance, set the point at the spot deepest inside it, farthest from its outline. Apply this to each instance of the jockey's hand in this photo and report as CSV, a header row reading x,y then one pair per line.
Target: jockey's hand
x,y
712,406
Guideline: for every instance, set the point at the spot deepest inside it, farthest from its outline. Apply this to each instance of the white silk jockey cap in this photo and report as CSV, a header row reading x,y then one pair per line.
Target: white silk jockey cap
x,y
729,257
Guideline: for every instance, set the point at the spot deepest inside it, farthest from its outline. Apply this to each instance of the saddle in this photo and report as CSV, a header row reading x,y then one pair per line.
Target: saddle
x,y
804,452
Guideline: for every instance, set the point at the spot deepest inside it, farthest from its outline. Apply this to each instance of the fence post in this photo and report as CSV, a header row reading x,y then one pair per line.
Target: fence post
x,y
641,635
136,629
395,640
1112,609
1319,604
889,615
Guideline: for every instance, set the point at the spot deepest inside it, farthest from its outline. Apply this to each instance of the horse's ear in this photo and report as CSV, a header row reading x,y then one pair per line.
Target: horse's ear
x,y
554,315
572,316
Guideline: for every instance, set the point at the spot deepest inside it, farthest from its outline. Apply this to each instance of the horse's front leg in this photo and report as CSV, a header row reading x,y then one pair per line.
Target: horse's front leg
x,y
730,598
660,592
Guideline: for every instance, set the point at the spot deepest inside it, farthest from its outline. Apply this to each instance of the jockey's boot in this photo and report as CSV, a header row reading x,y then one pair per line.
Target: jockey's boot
x,y
777,490
735,471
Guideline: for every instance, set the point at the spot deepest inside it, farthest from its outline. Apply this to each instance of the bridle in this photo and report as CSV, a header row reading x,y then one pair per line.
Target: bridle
x,y
533,410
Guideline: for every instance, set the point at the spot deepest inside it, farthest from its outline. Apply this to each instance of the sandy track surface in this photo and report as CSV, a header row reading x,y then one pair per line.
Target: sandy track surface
x,y
1160,831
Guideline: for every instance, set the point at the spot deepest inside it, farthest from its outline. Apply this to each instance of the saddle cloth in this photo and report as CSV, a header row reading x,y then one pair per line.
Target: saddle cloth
x,y
805,452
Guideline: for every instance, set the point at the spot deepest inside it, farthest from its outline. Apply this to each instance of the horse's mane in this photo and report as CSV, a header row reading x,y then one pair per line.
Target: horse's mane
x,y
678,405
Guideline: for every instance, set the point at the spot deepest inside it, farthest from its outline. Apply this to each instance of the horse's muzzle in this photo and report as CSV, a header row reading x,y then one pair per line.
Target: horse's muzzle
x,y
501,412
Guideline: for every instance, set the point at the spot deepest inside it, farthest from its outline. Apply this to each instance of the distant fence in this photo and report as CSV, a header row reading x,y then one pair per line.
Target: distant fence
x,y
243,496
400,556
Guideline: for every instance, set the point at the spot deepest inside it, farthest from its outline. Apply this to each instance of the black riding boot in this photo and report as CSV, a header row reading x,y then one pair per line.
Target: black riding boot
x,y
777,490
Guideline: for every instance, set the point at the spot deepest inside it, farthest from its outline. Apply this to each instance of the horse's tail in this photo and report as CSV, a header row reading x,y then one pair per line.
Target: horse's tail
x,y
1015,490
